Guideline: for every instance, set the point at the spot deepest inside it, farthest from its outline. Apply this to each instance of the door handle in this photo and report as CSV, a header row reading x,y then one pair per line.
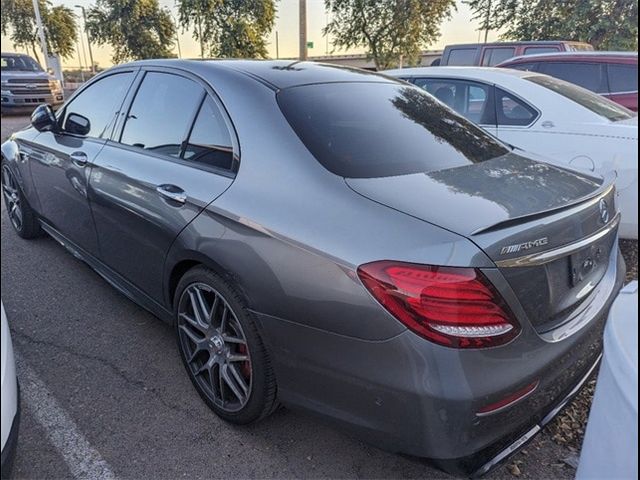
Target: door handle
x,y
173,193
79,158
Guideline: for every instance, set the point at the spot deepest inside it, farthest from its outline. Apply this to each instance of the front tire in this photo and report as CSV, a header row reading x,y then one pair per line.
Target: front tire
x,y
23,218
221,348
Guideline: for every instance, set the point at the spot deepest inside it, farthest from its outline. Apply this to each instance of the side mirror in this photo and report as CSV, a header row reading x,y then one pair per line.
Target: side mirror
x,y
44,120
77,124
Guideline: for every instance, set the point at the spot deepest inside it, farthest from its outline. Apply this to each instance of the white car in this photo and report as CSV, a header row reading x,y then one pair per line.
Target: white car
x,y
610,448
10,400
557,120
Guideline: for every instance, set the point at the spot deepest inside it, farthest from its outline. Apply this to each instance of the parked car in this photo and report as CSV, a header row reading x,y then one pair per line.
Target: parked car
x,y
26,85
491,54
334,240
613,75
610,448
10,405
565,124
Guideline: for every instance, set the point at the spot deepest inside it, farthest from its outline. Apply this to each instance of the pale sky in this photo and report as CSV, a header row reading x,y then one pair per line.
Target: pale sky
x,y
459,29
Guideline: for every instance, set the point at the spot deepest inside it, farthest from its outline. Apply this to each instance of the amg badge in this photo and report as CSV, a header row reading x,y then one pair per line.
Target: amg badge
x,y
524,246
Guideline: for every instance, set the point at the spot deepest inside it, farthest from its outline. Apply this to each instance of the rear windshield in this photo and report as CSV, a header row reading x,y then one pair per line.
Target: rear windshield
x,y
596,103
365,130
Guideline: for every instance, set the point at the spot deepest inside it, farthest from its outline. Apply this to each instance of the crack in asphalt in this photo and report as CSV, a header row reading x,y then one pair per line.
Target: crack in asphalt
x,y
21,336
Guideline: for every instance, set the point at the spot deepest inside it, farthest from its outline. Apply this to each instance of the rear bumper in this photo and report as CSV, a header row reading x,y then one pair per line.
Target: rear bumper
x,y
410,396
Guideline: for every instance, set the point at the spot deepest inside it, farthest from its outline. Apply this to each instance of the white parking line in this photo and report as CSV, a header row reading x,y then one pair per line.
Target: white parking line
x,y
83,460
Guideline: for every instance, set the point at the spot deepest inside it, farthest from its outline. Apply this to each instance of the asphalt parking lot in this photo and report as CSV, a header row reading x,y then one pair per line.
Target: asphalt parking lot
x,y
104,393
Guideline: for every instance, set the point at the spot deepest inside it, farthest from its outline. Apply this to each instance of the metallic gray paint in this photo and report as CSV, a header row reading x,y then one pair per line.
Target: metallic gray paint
x,y
290,235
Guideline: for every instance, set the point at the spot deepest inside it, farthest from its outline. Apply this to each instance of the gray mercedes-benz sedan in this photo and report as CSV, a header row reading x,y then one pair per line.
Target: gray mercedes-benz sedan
x,y
333,240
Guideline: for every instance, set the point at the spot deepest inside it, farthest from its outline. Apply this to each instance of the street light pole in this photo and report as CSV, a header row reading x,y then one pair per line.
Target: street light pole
x,y
43,41
303,30
177,35
84,18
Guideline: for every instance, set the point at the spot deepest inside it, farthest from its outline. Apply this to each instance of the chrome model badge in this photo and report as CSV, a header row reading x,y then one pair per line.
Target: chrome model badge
x,y
604,211
540,242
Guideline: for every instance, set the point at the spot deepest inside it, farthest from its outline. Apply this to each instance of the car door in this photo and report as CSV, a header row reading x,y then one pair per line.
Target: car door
x,y
515,119
61,162
473,100
172,155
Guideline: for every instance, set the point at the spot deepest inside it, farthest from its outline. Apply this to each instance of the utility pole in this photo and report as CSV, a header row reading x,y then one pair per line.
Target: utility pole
x,y
303,30
277,46
80,62
177,35
43,41
486,22
84,19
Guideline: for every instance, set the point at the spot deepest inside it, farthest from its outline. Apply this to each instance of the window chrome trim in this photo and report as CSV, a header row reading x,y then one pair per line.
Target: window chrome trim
x,y
540,258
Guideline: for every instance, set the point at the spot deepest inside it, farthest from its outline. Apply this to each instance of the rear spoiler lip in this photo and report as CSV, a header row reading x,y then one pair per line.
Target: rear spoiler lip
x,y
608,184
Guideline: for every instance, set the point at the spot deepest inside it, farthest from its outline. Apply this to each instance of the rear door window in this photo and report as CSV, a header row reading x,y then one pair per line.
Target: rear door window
x,y
494,56
470,99
512,111
536,50
210,142
365,130
623,78
162,113
462,56
586,75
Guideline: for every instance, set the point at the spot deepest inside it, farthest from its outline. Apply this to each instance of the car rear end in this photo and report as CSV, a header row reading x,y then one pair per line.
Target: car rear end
x,y
494,348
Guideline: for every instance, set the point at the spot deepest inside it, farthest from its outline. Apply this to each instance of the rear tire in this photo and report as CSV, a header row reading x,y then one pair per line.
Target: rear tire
x,y
23,218
221,348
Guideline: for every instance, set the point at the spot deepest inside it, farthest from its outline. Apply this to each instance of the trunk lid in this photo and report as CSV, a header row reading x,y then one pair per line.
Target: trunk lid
x,y
518,210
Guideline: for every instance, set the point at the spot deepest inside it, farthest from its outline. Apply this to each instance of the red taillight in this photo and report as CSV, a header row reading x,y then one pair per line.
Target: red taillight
x,y
455,307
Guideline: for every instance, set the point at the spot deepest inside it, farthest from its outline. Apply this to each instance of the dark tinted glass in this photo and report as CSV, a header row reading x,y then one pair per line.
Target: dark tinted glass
x,y
494,56
623,78
101,103
512,110
534,50
162,113
462,56
596,103
470,99
210,141
363,130
586,75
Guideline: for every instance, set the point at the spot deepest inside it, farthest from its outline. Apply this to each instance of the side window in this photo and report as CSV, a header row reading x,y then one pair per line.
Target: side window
x,y
534,50
513,111
162,113
469,99
100,103
462,56
528,67
210,141
494,56
585,75
623,78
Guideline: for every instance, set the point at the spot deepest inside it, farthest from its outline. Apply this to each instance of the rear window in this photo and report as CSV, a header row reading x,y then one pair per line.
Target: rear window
x,y
494,56
623,78
462,56
365,130
586,75
596,103
537,50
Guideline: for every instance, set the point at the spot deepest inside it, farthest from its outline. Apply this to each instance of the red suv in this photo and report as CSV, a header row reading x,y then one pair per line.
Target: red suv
x,y
611,74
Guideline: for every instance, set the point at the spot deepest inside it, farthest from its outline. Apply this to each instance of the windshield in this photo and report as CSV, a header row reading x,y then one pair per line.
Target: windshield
x,y
20,63
365,130
594,102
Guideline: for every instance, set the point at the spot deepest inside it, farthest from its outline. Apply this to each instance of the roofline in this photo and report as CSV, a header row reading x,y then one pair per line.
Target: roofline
x,y
518,42
593,53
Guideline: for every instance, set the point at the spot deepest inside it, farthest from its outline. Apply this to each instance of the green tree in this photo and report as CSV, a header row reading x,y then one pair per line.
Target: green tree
x,y
387,29
229,28
135,29
18,23
605,24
